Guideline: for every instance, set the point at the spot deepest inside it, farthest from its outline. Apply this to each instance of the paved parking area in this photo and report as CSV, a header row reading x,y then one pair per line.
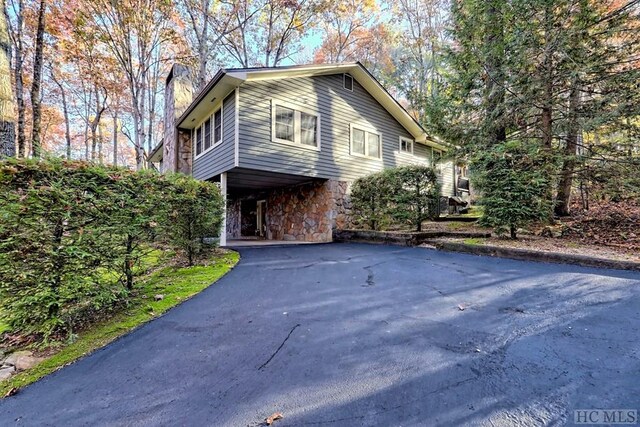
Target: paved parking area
x,y
354,334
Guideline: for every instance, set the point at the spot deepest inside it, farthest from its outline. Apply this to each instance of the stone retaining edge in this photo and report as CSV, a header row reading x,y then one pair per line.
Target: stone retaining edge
x,y
532,255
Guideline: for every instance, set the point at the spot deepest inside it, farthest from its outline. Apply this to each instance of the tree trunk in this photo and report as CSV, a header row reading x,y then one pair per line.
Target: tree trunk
x,y
7,107
128,263
115,138
494,41
18,67
203,47
568,165
65,112
36,104
547,82
95,123
100,140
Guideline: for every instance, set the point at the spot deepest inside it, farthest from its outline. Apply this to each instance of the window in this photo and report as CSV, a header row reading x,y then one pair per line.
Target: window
x,y
406,145
217,117
365,142
437,156
308,124
357,142
285,128
292,125
209,133
199,140
347,82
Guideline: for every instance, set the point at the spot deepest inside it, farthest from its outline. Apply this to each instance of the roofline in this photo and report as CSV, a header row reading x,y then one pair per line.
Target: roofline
x,y
241,73
200,96
392,97
156,149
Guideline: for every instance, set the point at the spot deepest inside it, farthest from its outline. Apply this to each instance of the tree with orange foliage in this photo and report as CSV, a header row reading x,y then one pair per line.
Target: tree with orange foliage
x,y
136,33
352,31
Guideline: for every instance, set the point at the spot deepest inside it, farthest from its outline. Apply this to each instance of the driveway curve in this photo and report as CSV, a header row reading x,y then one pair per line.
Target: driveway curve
x,y
354,334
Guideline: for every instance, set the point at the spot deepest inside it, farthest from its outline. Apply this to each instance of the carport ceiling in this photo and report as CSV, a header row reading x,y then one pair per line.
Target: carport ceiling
x,y
243,180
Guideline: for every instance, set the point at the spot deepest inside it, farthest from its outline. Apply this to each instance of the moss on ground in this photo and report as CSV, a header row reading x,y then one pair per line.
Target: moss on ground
x,y
473,241
175,284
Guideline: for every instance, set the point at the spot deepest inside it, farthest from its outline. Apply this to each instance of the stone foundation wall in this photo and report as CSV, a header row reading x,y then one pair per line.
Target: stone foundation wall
x,y
308,212
233,218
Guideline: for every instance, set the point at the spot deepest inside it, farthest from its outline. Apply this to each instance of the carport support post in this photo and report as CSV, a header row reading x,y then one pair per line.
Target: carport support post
x,y
223,190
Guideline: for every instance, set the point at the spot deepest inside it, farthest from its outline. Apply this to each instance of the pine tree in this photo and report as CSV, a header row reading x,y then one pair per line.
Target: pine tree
x,y
530,76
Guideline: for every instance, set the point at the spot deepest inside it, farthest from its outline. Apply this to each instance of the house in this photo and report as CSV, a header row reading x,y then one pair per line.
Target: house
x,y
285,143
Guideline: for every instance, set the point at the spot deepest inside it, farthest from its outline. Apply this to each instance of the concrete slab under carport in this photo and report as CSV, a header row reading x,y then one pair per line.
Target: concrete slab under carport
x,y
261,243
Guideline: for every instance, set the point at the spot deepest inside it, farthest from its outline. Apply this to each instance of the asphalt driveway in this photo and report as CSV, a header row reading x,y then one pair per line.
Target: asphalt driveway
x,y
350,334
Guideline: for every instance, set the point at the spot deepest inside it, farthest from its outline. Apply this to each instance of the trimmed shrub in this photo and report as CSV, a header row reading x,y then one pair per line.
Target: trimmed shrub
x,y
407,195
72,235
192,212
415,195
369,200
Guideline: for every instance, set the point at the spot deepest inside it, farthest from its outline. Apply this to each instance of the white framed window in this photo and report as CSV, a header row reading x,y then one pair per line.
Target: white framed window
x,y
347,82
208,134
365,142
295,125
437,160
405,145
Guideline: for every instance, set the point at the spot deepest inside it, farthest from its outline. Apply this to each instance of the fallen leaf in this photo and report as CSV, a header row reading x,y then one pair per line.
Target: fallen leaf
x,y
274,417
461,307
11,392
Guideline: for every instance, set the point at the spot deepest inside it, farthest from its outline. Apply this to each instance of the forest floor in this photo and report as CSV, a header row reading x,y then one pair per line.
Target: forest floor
x,y
608,230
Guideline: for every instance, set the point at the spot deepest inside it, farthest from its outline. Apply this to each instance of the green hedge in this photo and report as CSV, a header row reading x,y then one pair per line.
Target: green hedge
x,y
73,235
406,195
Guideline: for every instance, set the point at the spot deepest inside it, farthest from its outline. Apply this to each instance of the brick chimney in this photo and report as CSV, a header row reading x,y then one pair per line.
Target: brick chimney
x,y
178,94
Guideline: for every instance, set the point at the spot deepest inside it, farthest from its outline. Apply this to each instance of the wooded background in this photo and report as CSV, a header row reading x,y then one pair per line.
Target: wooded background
x,y
548,89
87,76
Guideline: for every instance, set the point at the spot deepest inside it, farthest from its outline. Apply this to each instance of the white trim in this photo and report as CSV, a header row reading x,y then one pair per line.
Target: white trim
x,y
296,125
219,107
223,190
367,129
409,140
344,81
236,130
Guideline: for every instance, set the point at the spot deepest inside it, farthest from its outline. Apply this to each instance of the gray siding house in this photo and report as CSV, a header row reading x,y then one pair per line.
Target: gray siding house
x,y
285,143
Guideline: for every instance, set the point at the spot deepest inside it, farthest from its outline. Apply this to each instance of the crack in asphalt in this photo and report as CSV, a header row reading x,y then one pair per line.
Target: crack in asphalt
x,y
279,348
370,277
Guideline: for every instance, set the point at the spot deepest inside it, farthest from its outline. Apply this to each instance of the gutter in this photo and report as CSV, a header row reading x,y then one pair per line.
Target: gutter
x,y
214,81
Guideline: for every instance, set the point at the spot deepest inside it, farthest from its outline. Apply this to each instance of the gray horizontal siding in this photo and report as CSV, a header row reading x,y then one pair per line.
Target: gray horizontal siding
x,y
222,157
446,177
338,108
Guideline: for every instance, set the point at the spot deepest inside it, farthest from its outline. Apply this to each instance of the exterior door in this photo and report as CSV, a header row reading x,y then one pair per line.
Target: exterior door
x,y
248,218
261,218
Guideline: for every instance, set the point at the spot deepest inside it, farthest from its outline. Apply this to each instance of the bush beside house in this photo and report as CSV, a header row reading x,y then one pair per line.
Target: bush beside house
x,y
406,196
